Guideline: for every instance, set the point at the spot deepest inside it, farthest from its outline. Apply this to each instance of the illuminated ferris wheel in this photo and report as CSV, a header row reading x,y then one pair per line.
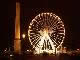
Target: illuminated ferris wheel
x,y
46,32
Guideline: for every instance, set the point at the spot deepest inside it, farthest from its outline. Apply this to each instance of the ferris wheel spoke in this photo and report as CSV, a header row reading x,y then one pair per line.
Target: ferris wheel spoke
x,y
54,25
54,42
37,45
61,33
36,40
34,35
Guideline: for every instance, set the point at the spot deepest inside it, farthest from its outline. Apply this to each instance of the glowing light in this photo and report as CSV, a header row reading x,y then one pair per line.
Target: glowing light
x,y
47,34
78,49
11,55
23,35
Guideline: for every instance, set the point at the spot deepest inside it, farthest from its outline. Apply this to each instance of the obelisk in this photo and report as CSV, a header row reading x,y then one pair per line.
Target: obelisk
x,y
17,41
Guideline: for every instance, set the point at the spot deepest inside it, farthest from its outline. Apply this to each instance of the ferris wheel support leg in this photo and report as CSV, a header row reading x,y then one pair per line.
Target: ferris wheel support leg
x,y
51,43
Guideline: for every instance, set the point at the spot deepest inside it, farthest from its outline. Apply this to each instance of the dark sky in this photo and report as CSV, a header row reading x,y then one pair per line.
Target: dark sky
x,y
68,10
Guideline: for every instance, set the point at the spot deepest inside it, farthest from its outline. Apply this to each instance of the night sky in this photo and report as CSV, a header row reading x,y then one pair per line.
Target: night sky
x,y
67,10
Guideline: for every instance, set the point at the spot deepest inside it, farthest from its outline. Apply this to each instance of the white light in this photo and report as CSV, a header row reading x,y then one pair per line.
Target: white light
x,y
11,55
48,13
28,50
30,23
23,35
54,34
5,50
78,49
29,27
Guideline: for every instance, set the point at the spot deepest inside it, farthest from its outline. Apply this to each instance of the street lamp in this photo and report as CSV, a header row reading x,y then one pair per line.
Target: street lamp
x,y
23,36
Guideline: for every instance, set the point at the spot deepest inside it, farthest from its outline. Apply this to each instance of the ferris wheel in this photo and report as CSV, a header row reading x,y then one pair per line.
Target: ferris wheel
x,y
46,32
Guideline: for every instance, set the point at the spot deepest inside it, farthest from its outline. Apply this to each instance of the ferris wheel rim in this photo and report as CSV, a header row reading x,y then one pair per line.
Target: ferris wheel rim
x,y
36,21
